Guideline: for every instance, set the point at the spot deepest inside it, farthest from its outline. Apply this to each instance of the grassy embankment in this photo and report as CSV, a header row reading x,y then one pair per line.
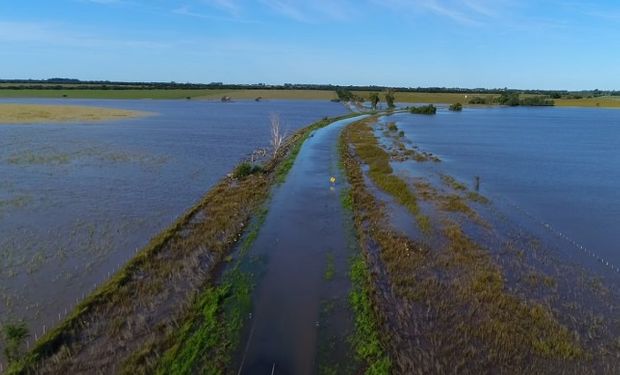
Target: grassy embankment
x,y
164,311
465,317
36,113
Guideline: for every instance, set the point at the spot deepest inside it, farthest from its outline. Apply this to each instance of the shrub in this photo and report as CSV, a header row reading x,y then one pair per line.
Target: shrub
x,y
424,110
14,335
456,107
245,169
478,100
510,99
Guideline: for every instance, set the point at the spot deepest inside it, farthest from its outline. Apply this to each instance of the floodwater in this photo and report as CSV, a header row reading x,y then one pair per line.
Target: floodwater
x,y
558,167
77,200
302,237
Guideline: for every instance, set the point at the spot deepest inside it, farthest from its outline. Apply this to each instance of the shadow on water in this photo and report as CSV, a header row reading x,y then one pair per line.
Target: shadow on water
x,y
304,241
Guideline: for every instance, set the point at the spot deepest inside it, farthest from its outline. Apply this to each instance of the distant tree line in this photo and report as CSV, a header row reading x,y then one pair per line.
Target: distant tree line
x,y
513,99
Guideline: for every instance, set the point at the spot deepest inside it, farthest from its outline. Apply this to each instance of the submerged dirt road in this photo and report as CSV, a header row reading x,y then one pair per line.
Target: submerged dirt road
x,y
303,235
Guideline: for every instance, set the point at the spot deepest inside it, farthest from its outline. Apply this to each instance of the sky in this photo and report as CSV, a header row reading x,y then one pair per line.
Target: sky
x,y
527,44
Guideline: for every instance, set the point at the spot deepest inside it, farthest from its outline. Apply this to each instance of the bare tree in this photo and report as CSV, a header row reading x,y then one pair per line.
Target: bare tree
x,y
277,134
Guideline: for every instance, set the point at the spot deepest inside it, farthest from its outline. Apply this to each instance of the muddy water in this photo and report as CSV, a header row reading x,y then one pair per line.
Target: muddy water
x,y
556,167
77,200
303,230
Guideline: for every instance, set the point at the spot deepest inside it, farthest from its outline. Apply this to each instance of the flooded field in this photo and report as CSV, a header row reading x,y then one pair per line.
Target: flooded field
x,y
466,278
554,168
77,200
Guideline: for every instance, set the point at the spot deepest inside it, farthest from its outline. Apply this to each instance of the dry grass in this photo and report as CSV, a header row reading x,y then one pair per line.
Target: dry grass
x,y
31,113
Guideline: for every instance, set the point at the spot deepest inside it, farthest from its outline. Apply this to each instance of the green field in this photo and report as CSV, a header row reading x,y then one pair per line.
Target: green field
x,y
603,101
249,94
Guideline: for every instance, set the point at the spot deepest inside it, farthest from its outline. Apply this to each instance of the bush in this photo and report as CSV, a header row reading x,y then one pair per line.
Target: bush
x,y
536,101
245,169
424,110
510,99
457,107
478,100
14,335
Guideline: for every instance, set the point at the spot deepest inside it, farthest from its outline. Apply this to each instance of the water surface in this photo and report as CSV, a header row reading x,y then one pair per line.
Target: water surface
x,y
560,165
77,200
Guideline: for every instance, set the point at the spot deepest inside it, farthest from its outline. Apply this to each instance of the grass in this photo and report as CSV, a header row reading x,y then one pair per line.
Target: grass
x,y
39,113
453,183
603,102
346,199
456,294
213,329
184,256
366,341
368,149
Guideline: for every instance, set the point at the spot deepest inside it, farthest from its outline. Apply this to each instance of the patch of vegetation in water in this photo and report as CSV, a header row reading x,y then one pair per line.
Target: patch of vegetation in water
x,y
368,346
378,161
424,110
453,183
456,107
459,288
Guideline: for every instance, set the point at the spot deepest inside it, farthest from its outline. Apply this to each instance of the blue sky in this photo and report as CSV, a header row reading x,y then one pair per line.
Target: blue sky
x,y
467,43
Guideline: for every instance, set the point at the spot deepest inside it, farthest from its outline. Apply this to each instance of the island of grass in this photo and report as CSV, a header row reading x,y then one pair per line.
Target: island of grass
x,y
39,113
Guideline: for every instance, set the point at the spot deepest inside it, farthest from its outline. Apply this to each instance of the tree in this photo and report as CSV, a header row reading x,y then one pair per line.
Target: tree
x,y
344,95
509,98
374,99
389,98
277,135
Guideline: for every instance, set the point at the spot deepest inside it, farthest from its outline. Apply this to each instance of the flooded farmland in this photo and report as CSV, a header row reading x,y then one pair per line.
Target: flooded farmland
x,y
77,200
554,168
471,270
